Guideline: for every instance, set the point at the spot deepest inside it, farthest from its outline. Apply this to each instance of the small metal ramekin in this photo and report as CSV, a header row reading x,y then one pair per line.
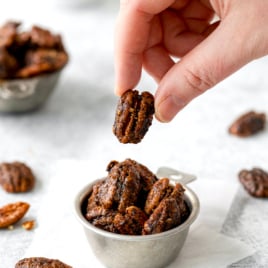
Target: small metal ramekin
x,y
21,95
148,251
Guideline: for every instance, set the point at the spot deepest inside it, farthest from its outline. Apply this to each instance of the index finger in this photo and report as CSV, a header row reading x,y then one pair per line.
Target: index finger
x,y
131,37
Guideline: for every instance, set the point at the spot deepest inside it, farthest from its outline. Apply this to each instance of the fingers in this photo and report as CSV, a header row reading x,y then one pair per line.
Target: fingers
x,y
132,35
204,66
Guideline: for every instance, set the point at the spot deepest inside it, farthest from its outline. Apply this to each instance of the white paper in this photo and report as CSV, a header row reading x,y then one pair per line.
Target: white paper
x,y
59,235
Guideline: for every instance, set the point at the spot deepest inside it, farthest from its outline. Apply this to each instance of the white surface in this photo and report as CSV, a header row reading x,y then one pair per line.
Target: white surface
x,y
76,122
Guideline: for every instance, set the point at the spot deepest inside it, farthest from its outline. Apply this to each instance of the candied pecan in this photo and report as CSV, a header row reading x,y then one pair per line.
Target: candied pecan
x,y
255,181
147,177
102,218
248,124
159,191
8,64
16,177
41,37
12,213
8,33
134,115
131,222
168,214
40,262
42,61
121,188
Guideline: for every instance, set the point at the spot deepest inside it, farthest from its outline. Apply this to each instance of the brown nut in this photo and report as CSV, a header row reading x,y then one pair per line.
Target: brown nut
x,y
40,262
12,213
170,212
248,124
16,177
134,115
255,181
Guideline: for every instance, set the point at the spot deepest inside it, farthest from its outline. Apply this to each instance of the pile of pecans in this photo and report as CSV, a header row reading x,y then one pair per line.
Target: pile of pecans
x,y
26,54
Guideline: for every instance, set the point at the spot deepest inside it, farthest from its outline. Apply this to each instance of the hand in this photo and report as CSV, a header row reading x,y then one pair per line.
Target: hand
x,y
150,34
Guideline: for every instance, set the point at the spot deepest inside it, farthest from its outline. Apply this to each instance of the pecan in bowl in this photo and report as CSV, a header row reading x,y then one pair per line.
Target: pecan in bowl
x,y
31,62
134,115
148,231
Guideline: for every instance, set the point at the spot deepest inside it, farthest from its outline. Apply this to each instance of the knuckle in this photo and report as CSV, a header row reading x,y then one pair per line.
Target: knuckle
x,y
198,81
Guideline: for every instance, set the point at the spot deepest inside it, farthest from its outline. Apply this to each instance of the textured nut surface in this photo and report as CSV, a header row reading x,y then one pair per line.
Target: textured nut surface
x,y
134,115
248,124
40,262
132,200
169,213
12,213
16,177
255,181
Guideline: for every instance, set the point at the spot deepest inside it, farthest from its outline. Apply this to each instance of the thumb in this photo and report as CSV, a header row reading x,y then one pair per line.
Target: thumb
x,y
222,53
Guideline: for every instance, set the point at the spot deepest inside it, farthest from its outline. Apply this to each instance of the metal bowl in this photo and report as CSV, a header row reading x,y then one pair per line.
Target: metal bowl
x,y
148,251
21,95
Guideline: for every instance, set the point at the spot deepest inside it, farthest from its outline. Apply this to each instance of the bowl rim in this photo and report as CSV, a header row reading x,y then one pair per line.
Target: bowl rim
x,y
81,195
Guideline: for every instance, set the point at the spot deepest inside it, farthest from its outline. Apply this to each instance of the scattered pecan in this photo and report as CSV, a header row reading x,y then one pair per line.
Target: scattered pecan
x,y
16,177
12,213
255,181
248,124
134,115
40,262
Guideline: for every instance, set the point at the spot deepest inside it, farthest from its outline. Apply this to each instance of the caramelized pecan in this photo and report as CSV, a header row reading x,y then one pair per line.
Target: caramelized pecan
x,y
134,115
248,124
16,177
40,262
255,181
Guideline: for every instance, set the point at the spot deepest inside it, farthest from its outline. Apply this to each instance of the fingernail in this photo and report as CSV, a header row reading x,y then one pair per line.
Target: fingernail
x,y
168,108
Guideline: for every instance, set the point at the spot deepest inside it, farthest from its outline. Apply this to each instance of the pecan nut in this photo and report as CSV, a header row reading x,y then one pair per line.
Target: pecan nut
x,y
248,124
134,115
40,262
16,177
255,181
12,213
171,211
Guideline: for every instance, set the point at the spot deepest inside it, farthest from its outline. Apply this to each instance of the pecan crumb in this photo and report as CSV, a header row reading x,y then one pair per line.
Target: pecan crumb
x,y
28,225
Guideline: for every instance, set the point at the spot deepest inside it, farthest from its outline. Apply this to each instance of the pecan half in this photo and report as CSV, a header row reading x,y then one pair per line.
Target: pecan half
x,y
16,177
255,181
40,262
12,213
248,124
134,115
131,222
170,212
